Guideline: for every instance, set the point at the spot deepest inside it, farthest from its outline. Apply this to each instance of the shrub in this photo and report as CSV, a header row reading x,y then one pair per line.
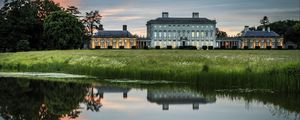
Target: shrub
x,y
204,47
290,47
234,47
157,47
109,47
246,47
133,47
23,45
269,47
210,47
169,47
279,47
97,47
223,47
146,47
257,47
121,47
205,68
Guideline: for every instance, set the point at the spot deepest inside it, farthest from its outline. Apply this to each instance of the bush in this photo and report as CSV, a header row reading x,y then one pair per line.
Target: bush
x,y
210,47
133,47
257,47
23,45
234,47
205,68
169,47
290,47
246,47
97,47
109,47
204,47
121,47
279,47
223,47
269,47
146,47
157,47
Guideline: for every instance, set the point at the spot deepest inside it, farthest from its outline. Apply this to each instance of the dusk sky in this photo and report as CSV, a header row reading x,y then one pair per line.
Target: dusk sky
x,y
231,15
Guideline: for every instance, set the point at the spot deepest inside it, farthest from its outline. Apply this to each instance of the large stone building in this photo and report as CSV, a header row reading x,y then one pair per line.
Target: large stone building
x,y
113,39
261,39
175,32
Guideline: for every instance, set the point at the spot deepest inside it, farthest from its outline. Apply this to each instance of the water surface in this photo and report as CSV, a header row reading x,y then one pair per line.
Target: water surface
x,y
35,99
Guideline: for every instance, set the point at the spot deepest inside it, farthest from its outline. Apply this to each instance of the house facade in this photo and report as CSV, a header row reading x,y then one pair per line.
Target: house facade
x,y
261,39
113,39
175,32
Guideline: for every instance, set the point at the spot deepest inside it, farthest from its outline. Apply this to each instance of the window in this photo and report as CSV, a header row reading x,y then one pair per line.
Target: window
x,y
197,34
193,34
159,34
165,34
155,34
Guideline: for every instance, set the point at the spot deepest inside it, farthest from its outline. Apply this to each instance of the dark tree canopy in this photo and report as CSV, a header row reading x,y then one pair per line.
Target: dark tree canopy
x,y
63,31
221,34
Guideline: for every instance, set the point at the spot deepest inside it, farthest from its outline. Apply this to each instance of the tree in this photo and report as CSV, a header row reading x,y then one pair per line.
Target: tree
x,y
23,20
23,45
73,10
221,34
265,21
91,22
63,31
293,34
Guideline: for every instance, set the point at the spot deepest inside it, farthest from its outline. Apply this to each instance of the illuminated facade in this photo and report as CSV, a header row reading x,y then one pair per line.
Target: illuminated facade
x,y
175,32
113,39
261,39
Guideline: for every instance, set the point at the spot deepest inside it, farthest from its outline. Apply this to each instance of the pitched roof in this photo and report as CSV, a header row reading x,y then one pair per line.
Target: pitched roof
x,y
181,21
260,34
114,34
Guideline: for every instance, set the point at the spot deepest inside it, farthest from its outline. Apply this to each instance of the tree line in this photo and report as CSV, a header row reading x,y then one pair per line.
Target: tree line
x,y
42,25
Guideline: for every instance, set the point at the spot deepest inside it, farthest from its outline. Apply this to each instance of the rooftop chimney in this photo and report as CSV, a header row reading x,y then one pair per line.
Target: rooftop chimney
x,y
165,15
124,27
195,14
246,28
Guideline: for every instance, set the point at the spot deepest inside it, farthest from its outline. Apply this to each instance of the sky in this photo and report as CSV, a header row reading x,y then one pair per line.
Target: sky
x,y
231,15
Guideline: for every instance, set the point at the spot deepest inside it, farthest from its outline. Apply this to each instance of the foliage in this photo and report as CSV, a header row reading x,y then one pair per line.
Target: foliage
x,y
293,34
221,34
23,45
62,31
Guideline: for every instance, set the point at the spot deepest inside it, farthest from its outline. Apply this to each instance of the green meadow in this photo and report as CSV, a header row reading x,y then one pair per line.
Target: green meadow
x,y
277,70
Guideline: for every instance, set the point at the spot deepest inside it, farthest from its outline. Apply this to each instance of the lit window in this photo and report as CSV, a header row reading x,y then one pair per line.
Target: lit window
x,y
193,34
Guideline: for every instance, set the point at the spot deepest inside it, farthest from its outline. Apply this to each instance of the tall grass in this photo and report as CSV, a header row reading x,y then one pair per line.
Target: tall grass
x,y
278,70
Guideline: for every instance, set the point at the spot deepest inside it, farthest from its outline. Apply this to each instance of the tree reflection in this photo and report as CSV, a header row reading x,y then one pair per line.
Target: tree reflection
x,y
42,100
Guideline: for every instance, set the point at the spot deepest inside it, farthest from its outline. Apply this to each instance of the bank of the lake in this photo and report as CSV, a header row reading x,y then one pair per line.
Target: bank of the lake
x,y
264,69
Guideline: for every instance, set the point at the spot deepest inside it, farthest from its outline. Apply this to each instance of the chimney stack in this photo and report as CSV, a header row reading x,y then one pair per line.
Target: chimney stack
x,y
165,15
246,28
195,14
124,27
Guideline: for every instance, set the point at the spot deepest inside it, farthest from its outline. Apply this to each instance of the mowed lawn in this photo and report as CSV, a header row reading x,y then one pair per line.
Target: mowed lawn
x,y
180,65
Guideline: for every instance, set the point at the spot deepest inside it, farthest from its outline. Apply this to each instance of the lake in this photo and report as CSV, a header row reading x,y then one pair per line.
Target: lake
x,y
23,98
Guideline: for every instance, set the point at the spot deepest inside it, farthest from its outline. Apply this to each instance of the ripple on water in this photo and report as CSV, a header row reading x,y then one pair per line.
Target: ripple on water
x,y
40,75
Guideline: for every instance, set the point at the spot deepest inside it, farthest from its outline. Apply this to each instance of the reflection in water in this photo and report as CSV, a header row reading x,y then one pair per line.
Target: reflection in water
x,y
178,96
96,94
45,100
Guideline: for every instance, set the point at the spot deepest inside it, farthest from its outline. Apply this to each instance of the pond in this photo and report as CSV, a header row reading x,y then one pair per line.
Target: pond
x,y
23,98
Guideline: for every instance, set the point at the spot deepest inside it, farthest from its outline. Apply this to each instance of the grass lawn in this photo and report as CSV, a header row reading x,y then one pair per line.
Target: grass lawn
x,y
270,69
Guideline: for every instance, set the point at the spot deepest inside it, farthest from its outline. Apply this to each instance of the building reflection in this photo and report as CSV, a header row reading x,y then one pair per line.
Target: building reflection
x,y
178,97
96,94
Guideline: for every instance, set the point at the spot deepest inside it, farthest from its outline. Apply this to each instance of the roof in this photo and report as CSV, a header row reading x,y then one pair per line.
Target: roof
x,y
260,34
181,21
114,34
